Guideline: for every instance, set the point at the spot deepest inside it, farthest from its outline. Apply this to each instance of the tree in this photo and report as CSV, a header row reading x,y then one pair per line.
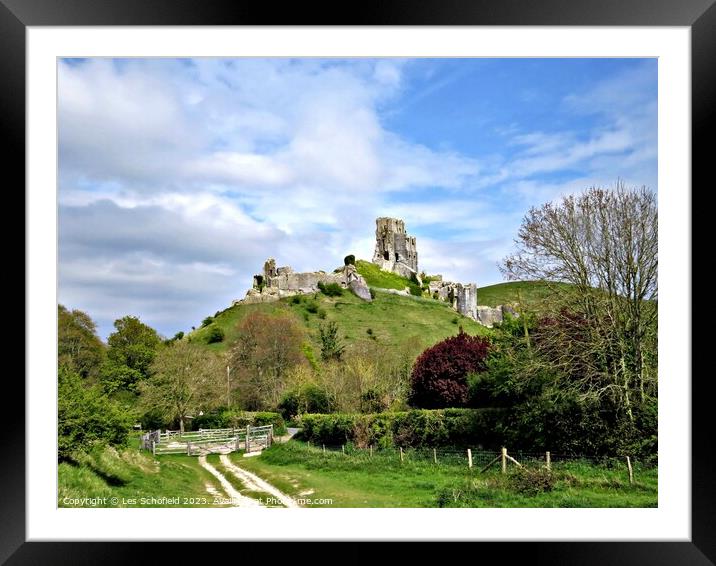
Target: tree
x,y
331,345
267,346
86,416
439,377
602,331
185,379
132,348
78,346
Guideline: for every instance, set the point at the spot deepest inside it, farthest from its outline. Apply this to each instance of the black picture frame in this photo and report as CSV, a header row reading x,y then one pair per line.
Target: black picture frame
x,y
699,15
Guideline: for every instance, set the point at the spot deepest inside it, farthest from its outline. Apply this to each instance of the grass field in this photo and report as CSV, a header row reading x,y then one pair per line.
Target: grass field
x,y
130,475
359,480
335,479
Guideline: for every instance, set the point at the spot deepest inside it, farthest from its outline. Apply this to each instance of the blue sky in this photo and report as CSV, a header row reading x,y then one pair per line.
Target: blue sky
x,y
178,178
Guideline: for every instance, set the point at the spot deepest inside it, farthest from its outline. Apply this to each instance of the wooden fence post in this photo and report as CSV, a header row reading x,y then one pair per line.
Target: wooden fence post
x,y
324,448
248,441
435,455
371,450
631,473
548,458
343,448
188,448
401,454
469,458
154,450
504,460
238,445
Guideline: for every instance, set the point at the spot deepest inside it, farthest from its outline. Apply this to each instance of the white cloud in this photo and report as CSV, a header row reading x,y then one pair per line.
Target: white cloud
x,y
178,178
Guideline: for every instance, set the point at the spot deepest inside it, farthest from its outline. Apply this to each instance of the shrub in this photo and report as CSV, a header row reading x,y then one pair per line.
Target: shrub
x,y
349,260
179,335
266,418
372,293
330,289
216,334
439,377
322,314
207,321
296,300
86,417
443,427
531,482
331,345
312,307
306,399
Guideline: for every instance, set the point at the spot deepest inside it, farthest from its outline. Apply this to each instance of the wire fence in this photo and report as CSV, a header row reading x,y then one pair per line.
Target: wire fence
x,y
477,459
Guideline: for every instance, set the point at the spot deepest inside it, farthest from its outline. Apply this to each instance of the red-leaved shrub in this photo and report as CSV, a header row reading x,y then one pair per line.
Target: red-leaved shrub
x,y
439,377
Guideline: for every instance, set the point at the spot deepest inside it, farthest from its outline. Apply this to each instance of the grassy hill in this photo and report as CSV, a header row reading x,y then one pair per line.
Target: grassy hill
x,y
530,293
389,319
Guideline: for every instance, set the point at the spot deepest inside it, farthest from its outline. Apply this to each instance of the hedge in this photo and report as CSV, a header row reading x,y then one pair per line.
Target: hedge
x,y
440,427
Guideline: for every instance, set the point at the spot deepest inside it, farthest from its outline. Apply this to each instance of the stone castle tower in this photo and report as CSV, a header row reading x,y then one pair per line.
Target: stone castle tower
x,y
395,250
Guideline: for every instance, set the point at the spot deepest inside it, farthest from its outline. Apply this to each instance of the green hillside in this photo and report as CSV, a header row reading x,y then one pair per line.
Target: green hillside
x,y
530,293
388,319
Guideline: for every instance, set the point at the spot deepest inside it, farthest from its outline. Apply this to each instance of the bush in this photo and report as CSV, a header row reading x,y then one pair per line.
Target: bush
x,y
87,417
216,334
307,399
439,377
445,427
349,260
372,293
330,289
179,335
531,482
207,321
312,307
296,300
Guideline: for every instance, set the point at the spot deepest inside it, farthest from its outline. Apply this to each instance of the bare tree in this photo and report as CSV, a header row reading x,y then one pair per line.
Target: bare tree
x,y
185,379
605,244
266,348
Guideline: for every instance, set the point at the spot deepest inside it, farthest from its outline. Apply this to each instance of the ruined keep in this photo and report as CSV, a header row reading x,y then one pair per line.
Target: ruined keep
x,y
395,250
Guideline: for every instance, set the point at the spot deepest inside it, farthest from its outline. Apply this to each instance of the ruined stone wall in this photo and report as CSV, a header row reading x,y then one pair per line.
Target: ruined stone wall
x,y
276,283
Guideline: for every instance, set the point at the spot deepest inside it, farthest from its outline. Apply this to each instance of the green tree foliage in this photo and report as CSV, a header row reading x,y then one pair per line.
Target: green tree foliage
x,y
78,346
349,260
86,416
132,348
207,321
331,345
185,379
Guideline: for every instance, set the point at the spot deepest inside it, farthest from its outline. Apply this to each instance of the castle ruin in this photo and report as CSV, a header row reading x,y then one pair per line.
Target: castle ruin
x,y
396,252
274,283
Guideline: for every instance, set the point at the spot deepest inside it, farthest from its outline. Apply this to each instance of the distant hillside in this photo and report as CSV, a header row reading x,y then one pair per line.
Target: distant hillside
x,y
530,293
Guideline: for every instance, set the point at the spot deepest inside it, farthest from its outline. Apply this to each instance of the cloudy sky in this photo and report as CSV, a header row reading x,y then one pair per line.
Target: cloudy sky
x,y
178,177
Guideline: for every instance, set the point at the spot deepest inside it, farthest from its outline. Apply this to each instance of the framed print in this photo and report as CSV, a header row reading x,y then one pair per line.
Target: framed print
x,y
394,278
